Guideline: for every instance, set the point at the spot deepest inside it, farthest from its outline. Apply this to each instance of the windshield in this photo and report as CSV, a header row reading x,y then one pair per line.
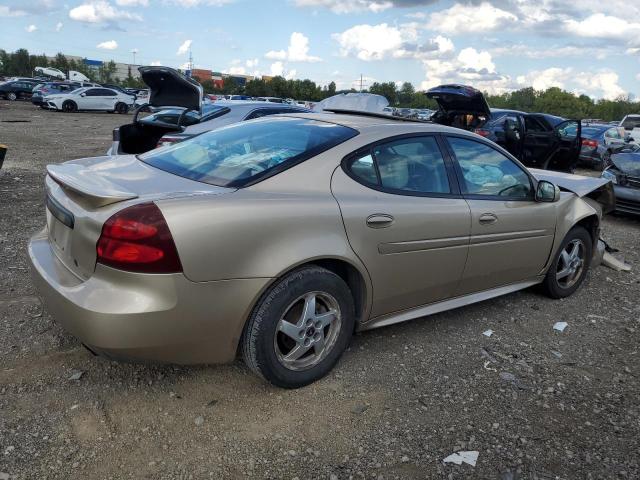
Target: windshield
x,y
247,152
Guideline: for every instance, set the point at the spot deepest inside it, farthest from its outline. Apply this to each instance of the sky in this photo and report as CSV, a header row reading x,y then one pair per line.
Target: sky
x,y
585,46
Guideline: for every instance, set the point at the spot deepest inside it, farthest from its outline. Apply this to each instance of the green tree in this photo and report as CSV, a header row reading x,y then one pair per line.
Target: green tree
x,y
387,90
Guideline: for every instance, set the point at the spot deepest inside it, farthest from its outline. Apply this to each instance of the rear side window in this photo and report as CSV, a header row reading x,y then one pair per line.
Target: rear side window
x,y
408,165
245,153
630,123
533,125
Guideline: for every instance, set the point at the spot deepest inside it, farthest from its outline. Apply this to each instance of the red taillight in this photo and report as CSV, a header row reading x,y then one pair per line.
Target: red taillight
x,y
137,239
589,143
164,141
482,132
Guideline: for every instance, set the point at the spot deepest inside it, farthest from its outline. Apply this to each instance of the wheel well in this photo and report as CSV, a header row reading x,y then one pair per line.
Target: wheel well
x,y
352,277
592,225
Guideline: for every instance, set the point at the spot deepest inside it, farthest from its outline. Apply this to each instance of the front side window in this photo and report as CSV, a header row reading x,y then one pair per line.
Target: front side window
x,y
533,125
488,172
247,152
409,165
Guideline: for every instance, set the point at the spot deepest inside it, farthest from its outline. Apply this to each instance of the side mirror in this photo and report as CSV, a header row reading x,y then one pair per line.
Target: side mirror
x,y
83,94
547,192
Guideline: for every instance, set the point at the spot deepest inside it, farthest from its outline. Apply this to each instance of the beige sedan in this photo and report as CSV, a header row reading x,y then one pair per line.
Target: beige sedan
x,y
277,238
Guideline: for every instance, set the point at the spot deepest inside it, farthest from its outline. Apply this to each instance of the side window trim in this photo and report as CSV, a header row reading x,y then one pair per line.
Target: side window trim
x,y
368,150
460,175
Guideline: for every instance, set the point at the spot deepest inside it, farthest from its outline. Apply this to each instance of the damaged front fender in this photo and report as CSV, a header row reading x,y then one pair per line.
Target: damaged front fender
x,y
598,189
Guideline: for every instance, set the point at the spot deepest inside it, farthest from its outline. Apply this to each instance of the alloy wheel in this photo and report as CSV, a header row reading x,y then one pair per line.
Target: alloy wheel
x,y
571,263
308,330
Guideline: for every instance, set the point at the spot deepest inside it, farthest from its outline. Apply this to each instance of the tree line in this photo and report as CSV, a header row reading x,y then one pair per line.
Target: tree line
x,y
552,100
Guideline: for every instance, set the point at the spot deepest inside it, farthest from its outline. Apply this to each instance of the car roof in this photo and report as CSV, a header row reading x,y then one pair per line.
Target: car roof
x,y
362,121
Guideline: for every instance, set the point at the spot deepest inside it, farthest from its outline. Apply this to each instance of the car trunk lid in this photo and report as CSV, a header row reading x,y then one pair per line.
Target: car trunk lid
x,y
459,99
169,88
83,194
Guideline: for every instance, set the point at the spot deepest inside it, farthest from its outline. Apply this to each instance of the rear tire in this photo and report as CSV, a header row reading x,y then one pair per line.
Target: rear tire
x,y
299,328
570,265
12,96
69,106
122,108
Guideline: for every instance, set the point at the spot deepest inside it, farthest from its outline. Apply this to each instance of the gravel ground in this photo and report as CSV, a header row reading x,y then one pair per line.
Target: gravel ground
x,y
535,403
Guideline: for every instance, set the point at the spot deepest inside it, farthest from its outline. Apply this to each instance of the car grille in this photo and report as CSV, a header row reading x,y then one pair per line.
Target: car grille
x,y
627,206
633,182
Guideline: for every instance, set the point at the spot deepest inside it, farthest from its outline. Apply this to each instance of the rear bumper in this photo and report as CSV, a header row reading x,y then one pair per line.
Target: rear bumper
x,y
627,199
138,317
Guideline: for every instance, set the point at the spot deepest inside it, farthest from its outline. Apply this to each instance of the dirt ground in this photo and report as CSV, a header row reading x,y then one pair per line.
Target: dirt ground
x,y
535,403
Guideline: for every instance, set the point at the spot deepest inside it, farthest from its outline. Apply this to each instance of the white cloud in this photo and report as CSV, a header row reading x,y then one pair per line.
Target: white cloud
x,y
298,50
133,3
372,42
197,3
347,6
278,69
58,26
184,48
600,25
600,84
108,45
11,12
470,19
252,63
236,71
31,28
100,11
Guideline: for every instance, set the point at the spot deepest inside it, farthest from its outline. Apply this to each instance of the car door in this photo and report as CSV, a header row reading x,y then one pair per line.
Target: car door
x,y
567,146
538,143
511,234
405,219
87,100
108,99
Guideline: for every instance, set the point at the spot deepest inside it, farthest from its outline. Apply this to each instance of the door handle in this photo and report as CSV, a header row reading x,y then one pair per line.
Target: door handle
x,y
379,220
488,219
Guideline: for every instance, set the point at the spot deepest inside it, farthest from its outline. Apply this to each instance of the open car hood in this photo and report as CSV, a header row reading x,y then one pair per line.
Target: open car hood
x,y
459,99
627,163
169,88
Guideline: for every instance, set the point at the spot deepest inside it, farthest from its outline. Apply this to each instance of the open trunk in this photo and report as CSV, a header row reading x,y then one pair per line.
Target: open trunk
x,y
167,88
457,103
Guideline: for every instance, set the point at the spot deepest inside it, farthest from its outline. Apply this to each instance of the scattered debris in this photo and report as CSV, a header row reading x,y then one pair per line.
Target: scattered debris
x,y
486,367
560,326
4,476
76,375
508,377
459,457
199,421
212,403
612,262
487,333
360,408
488,356
556,354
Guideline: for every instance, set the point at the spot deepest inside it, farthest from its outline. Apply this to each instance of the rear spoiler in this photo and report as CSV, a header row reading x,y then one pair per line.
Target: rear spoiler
x,y
99,192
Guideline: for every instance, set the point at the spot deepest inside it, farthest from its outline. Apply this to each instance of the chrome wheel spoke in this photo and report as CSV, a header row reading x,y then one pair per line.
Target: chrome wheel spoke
x,y
297,351
563,273
309,310
289,329
318,345
324,319
575,250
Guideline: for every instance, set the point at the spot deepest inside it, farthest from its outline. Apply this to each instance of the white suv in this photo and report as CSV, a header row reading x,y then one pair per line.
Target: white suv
x,y
90,98
631,125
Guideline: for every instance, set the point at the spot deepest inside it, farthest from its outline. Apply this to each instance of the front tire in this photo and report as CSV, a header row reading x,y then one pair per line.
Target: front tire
x,y
299,328
12,96
69,106
570,265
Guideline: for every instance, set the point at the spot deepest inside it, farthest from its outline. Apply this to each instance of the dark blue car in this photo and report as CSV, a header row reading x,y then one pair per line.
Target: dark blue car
x,y
599,141
538,140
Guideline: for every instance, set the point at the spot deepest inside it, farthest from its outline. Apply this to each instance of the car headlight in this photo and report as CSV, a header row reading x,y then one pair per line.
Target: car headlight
x,y
609,175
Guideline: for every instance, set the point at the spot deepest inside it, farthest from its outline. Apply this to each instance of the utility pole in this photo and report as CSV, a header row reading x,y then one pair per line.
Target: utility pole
x,y
190,61
134,51
362,83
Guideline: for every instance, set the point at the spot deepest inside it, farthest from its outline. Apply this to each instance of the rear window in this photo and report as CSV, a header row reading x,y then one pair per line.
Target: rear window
x,y
245,153
630,123
592,132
